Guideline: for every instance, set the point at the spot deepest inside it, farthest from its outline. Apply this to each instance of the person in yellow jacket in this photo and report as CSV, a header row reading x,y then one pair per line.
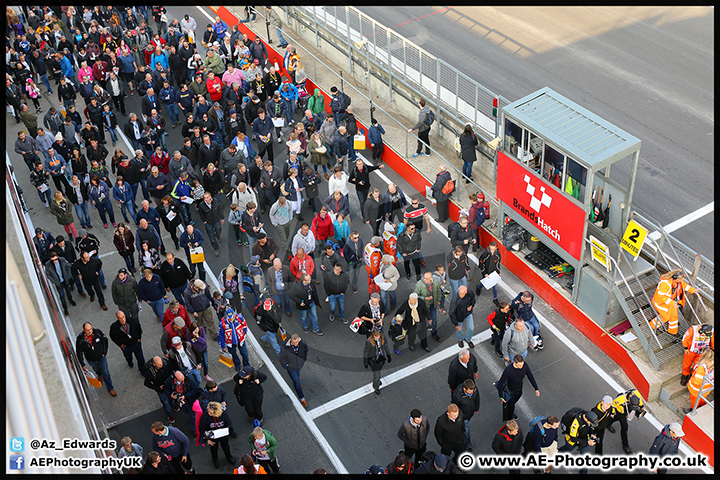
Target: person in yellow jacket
x,y
669,294
696,340
705,366
626,405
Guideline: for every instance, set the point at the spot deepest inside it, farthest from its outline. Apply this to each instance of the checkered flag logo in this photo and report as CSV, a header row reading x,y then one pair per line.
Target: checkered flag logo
x,y
536,203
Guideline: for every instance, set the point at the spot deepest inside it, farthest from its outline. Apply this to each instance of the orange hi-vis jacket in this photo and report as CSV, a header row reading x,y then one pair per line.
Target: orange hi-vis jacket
x,y
696,381
695,342
668,295
372,256
390,244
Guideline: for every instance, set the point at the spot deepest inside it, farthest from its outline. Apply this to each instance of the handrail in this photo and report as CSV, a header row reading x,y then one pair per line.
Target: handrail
x,y
702,390
617,266
632,270
490,198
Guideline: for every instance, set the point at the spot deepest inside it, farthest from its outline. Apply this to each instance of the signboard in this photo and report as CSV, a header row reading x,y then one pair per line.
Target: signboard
x,y
556,217
600,252
633,238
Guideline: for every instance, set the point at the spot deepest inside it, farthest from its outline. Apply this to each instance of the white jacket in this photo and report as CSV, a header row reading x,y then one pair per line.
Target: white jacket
x,y
243,198
338,184
306,242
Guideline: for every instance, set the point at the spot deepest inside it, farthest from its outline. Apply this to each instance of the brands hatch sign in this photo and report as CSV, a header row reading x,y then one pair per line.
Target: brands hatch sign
x,y
556,217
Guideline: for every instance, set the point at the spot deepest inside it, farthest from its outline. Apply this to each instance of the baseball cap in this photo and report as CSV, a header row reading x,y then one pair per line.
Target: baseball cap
x,y
607,399
232,110
375,240
333,89
261,235
677,429
247,370
179,321
254,259
199,284
592,418
122,270
440,461
267,304
176,341
82,232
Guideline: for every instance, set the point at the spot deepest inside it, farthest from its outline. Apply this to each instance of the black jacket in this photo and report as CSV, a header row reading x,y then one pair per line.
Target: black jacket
x,y
94,352
457,373
155,378
207,155
422,309
361,180
175,276
490,262
176,362
120,338
506,444
291,359
468,404
458,311
210,214
449,434
299,294
89,271
371,357
336,284
268,320
248,390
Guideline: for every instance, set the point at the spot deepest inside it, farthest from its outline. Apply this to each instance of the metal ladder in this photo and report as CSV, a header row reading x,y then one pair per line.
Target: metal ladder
x,y
632,295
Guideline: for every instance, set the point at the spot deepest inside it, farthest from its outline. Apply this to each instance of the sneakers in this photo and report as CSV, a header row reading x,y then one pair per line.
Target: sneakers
x,y
306,330
539,342
355,290
460,344
331,317
610,429
443,311
171,419
437,338
397,352
499,354
345,321
471,344
47,205
496,302
319,333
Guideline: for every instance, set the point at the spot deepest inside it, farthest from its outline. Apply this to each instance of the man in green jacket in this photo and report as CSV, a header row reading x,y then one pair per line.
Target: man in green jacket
x,y
125,293
264,447
429,290
316,104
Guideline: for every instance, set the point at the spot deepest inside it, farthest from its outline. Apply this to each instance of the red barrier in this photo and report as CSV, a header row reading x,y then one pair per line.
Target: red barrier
x,y
510,260
698,440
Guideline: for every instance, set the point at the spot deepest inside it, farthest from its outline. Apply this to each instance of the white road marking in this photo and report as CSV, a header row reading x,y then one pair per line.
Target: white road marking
x,y
690,217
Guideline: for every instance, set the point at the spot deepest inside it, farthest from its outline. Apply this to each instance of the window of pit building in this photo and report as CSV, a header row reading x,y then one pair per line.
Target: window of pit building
x,y
553,166
513,138
575,180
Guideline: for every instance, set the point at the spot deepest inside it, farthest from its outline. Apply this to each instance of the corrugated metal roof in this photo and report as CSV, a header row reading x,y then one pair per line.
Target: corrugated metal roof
x,y
583,135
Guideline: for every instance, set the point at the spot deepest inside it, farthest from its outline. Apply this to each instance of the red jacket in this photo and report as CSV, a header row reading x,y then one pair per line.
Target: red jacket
x,y
296,266
100,71
214,88
169,316
322,229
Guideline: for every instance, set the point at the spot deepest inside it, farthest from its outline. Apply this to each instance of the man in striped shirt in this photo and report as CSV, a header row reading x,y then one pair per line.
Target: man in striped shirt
x,y
415,212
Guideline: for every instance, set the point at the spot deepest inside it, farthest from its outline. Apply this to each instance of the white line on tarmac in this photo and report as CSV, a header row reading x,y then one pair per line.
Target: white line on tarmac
x,y
690,217
560,336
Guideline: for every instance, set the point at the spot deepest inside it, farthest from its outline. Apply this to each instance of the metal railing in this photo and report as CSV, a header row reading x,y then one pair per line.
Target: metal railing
x,y
709,380
362,110
670,253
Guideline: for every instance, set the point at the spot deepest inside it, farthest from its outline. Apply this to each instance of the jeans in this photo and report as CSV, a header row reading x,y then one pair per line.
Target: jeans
x,y
280,37
45,197
385,295
162,141
534,325
158,307
509,405
173,112
468,325
351,149
194,373
143,185
45,80
193,266
290,109
103,208
354,273
283,299
178,293
340,301
185,212
524,354
67,103
467,169
83,213
165,400
135,144
214,231
204,361
100,367
137,351
113,134
271,338
455,285
295,377
233,349
62,289
125,206
569,448
312,313
433,315
362,198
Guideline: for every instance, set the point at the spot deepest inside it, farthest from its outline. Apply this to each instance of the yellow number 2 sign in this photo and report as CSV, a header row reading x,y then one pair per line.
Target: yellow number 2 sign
x,y
634,238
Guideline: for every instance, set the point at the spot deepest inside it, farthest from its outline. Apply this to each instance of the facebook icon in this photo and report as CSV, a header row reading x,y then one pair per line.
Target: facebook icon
x,y
17,462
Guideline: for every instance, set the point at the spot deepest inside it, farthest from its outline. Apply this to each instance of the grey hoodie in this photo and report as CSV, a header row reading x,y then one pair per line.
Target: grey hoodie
x,y
422,124
516,343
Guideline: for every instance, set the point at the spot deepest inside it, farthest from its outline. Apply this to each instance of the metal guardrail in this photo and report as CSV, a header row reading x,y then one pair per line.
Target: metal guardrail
x,y
462,189
708,379
671,253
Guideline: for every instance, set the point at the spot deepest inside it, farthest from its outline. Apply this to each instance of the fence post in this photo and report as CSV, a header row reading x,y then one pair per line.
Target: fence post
x,y
317,36
389,68
437,95
349,48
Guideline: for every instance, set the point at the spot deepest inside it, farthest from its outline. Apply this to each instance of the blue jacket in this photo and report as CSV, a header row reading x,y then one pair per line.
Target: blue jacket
x,y
96,192
180,189
56,168
152,216
291,93
153,290
125,195
175,443
185,239
67,68
260,127
168,95
375,134
162,58
220,29
521,309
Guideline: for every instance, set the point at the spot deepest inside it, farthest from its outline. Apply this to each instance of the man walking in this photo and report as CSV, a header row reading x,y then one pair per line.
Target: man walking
x,y
413,432
125,293
425,119
87,269
92,346
510,385
198,302
450,432
293,356
461,316
58,271
126,333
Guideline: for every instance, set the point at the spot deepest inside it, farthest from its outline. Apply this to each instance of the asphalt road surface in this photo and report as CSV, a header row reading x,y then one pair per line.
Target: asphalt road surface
x,y
650,71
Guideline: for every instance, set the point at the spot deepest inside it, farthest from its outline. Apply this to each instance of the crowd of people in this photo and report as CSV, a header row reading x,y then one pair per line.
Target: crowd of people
x,y
232,106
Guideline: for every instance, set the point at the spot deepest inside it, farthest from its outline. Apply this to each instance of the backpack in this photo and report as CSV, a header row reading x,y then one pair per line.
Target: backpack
x,y
479,216
430,118
529,443
452,227
569,417
449,187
